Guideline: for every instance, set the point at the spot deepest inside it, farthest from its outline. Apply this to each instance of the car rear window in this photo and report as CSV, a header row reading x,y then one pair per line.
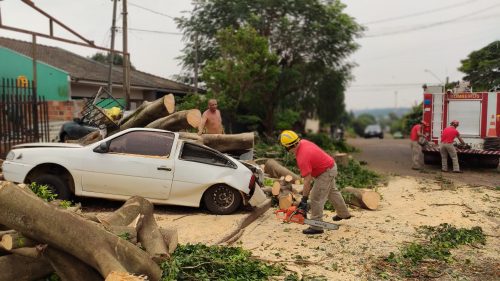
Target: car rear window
x,y
196,153
143,143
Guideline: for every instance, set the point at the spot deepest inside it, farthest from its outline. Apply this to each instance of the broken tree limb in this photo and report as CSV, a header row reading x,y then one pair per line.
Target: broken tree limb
x,y
32,252
14,267
171,238
181,120
149,112
363,198
223,142
69,268
148,234
72,234
276,170
16,240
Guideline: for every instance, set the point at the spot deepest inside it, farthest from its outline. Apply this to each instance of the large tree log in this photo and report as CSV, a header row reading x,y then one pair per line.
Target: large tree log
x,y
181,120
19,268
149,112
223,142
276,170
148,234
363,198
69,268
72,234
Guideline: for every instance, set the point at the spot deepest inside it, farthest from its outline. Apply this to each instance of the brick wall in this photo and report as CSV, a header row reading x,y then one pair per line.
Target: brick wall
x,y
64,110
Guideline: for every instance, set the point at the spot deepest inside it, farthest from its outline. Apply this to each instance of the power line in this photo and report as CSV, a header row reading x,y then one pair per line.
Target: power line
x,y
150,10
421,13
432,24
154,31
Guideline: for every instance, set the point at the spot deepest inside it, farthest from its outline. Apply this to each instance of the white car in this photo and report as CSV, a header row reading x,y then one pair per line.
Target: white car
x,y
151,163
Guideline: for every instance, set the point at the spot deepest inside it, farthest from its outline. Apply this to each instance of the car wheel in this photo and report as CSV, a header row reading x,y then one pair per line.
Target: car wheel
x,y
55,184
63,137
222,199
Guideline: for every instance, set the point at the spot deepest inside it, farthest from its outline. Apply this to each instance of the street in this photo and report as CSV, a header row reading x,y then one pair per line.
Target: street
x,y
393,157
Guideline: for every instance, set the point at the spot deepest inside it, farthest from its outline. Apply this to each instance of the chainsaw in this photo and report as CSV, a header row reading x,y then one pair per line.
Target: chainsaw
x,y
296,215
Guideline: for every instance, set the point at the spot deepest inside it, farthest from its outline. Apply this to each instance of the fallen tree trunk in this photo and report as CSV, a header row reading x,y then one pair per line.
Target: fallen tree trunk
x,y
14,267
92,137
69,268
72,234
149,112
223,142
276,170
181,120
363,198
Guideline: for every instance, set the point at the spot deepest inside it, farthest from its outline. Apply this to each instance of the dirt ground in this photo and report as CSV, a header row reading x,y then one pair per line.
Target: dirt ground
x,y
348,253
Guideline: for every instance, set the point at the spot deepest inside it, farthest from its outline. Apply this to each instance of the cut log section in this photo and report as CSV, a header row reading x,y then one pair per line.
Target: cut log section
x,y
149,112
72,234
285,201
16,240
276,188
181,120
274,169
363,198
223,142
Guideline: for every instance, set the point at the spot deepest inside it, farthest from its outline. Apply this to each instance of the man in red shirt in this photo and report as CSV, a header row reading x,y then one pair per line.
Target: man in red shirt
x,y
416,150
315,163
446,147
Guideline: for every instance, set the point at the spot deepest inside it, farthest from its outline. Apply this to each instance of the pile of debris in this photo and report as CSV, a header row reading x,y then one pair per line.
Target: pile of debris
x,y
39,238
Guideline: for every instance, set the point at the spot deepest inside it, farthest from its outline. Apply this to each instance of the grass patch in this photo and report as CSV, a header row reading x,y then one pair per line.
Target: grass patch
x,y
201,262
431,256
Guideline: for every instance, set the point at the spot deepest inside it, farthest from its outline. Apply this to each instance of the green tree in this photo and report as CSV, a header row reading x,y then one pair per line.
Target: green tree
x,y
482,67
243,75
413,117
104,58
359,124
311,38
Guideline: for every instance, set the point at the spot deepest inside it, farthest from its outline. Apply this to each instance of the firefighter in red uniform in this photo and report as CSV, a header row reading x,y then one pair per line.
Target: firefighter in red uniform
x,y
315,163
446,147
416,150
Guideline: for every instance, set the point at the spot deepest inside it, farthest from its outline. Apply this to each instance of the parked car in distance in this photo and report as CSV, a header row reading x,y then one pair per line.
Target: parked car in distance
x,y
373,131
73,130
151,163
397,135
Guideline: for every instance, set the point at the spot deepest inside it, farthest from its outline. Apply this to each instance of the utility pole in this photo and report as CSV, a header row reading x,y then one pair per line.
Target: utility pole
x,y
126,58
196,62
111,52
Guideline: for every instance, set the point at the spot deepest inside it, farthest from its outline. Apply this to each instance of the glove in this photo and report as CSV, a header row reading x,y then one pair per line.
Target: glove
x,y
303,204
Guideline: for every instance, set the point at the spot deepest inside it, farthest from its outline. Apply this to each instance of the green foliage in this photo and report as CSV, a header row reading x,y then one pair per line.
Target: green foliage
x,y
326,143
359,123
482,67
65,204
286,119
243,75
413,117
191,101
124,235
42,191
439,240
356,176
53,277
310,39
201,262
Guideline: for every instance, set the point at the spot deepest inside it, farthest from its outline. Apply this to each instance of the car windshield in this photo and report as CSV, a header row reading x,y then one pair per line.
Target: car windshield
x,y
373,128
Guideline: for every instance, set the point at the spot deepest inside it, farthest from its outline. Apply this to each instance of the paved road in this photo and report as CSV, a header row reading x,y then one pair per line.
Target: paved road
x,y
390,156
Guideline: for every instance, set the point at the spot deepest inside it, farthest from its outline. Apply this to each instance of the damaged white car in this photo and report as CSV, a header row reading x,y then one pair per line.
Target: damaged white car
x,y
151,163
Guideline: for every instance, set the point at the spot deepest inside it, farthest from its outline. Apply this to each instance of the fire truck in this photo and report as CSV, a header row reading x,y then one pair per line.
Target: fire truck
x,y
479,117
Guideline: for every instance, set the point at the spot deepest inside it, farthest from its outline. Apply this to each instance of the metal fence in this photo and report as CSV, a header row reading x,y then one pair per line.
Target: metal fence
x,y
23,116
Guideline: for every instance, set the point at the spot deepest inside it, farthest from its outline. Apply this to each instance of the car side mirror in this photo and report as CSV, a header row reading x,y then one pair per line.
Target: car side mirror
x,y
102,148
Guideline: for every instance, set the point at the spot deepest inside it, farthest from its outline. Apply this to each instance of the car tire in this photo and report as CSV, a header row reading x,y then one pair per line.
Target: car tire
x,y
55,184
222,200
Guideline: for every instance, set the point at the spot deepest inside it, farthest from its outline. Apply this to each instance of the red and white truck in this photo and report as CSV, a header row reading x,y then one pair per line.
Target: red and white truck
x,y
479,117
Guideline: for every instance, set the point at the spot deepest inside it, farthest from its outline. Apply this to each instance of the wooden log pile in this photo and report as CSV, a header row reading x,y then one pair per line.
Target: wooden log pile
x,y
39,238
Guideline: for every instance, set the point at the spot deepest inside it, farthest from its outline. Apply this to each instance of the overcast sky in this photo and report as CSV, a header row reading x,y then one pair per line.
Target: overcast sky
x,y
407,42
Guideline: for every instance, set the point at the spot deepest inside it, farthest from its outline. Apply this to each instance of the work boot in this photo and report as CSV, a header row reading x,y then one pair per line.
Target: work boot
x,y
337,218
311,230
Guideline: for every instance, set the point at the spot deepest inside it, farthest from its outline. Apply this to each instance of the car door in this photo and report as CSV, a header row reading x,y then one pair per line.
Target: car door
x,y
136,163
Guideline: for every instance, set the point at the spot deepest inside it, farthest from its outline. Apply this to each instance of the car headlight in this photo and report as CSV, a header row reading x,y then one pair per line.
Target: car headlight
x,y
10,155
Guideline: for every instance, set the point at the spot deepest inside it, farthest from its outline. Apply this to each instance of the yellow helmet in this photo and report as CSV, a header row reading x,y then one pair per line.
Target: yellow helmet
x,y
289,138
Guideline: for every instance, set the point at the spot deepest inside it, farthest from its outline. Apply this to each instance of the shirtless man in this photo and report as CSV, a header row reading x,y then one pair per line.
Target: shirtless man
x,y
211,120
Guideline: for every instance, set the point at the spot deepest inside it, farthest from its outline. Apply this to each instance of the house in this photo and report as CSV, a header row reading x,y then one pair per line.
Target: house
x,y
65,78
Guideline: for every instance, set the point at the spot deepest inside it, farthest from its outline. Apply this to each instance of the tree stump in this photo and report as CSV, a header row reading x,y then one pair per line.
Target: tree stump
x,y
341,159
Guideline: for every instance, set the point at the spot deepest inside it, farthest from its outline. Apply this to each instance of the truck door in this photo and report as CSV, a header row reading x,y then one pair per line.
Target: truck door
x,y
468,113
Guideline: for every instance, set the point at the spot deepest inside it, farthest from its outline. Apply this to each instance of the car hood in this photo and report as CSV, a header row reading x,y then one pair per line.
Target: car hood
x,y
48,144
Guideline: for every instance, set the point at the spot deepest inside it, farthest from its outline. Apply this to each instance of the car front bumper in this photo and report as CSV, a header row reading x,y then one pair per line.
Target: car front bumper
x,y
14,171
